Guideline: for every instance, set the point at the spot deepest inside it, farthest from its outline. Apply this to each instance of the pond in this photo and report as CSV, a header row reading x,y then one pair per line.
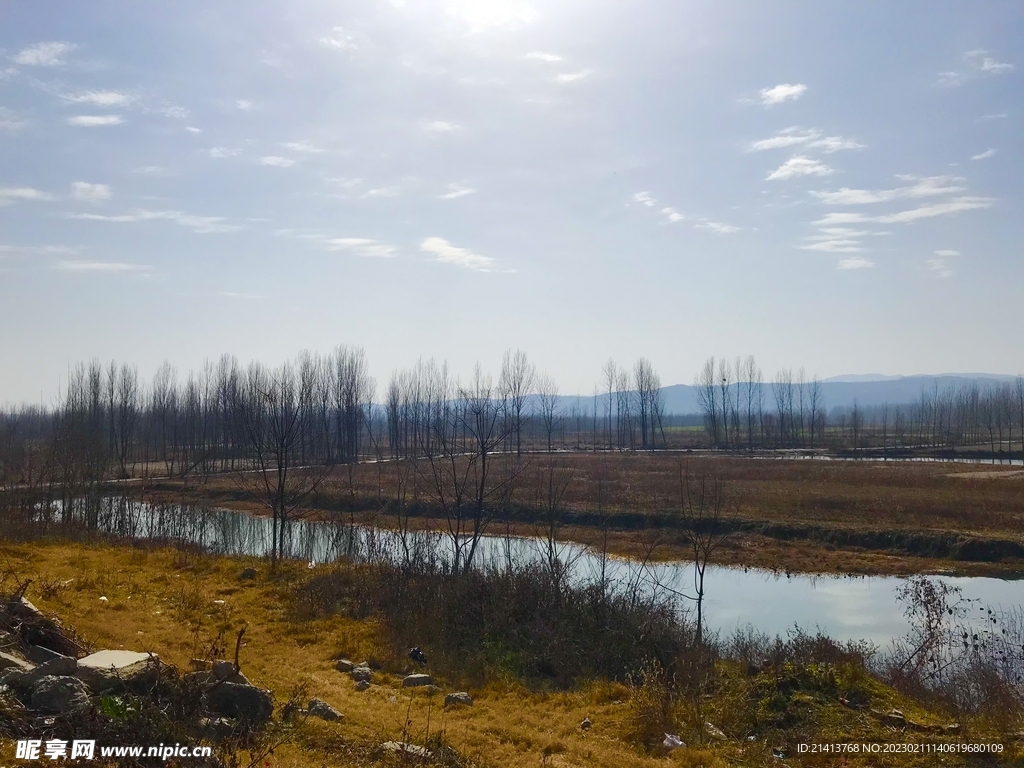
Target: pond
x,y
843,607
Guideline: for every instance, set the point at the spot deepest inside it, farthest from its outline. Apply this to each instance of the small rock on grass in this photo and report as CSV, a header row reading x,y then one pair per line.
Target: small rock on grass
x,y
344,665
362,685
714,732
323,710
458,699
412,681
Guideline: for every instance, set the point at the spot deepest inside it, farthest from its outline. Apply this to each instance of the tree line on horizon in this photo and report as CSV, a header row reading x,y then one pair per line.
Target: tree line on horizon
x,y
328,409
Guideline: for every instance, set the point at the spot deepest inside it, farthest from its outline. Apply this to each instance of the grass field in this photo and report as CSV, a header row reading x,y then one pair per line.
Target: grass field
x,y
177,604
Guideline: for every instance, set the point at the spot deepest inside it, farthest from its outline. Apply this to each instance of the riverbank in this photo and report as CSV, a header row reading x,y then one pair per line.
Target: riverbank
x,y
179,603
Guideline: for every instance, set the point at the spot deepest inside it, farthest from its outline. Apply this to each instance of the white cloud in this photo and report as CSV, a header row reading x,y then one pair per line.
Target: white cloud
x,y
572,77
940,267
91,121
810,138
831,219
440,126
43,55
175,113
339,39
361,247
302,146
9,195
782,93
90,193
947,252
937,209
446,253
218,152
799,166
382,192
995,67
193,129
672,214
346,182
541,56
837,245
984,155
856,262
952,78
928,186
456,191
19,249
96,266
200,224
277,162
979,64
786,138
995,116
830,144
717,227
151,170
243,104
644,198
10,121
99,98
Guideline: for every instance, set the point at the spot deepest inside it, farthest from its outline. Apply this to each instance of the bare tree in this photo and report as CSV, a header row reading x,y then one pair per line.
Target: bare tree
x,y
516,384
548,404
270,419
702,503
707,397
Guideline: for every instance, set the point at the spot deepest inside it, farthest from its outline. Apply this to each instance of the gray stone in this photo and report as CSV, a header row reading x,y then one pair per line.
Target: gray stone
x,y
108,670
323,710
57,695
225,670
412,681
39,655
247,573
202,678
461,698
362,685
12,677
9,661
361,674
401,748
246,703
344,665
59,667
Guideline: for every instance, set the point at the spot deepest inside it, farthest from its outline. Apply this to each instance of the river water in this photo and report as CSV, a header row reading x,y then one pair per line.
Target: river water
x,y
843,607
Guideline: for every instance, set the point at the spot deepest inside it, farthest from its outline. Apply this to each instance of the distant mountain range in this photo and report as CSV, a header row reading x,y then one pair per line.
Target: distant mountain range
x,y
865,390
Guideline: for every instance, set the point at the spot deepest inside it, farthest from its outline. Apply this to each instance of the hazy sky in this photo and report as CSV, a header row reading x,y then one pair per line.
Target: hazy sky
x,y
829,185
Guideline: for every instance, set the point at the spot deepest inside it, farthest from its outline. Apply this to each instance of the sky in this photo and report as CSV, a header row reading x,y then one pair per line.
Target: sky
x,y
829,186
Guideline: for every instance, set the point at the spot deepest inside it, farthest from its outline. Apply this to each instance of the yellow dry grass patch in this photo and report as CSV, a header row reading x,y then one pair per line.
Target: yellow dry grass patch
x,y
177,605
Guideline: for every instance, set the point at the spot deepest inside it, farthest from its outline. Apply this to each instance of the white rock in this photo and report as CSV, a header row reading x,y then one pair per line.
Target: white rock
x,y
672,742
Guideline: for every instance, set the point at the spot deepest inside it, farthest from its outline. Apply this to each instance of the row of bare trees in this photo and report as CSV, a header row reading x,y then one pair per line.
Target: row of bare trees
x,y
741,411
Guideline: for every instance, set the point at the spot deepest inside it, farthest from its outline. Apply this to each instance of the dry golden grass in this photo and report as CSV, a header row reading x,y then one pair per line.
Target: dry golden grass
x,y
169,603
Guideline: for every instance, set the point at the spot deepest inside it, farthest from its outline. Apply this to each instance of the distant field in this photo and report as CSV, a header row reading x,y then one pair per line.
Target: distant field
x,y
892,517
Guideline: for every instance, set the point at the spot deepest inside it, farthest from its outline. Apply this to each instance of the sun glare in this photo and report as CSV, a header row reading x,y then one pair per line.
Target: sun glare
x,y
481,14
